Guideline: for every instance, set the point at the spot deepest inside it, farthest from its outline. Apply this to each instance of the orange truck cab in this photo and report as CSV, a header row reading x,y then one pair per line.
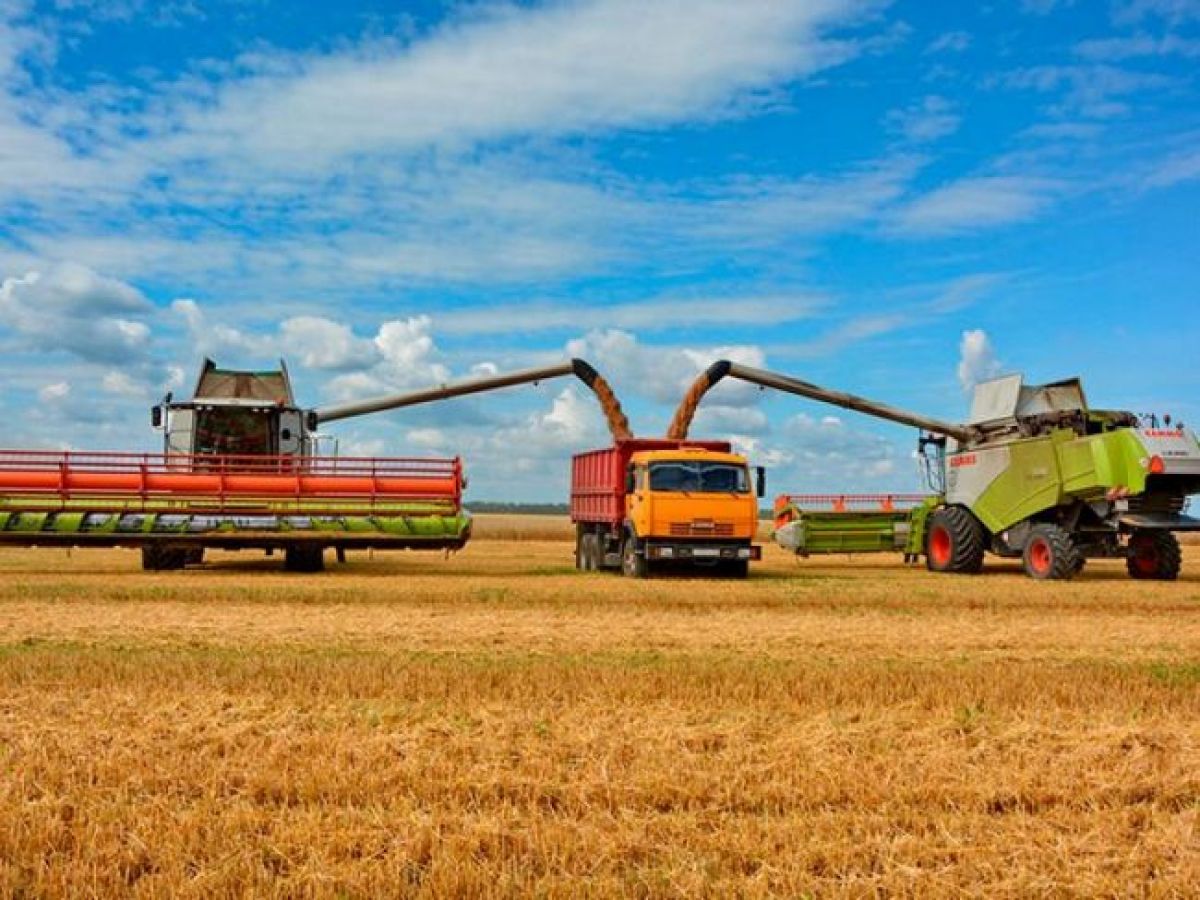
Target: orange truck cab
x,y
641,504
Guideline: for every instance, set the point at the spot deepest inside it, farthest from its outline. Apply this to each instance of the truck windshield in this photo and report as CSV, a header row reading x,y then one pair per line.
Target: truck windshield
x,y
701,477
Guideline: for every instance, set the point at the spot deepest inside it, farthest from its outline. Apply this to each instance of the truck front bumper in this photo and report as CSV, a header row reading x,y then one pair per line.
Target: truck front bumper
x,y
700,552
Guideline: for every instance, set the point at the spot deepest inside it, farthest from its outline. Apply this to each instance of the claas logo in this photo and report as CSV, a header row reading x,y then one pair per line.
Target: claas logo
x,y
966,459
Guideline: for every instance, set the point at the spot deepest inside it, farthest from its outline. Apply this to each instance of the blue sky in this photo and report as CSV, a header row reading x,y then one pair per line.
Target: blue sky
x,y
890,198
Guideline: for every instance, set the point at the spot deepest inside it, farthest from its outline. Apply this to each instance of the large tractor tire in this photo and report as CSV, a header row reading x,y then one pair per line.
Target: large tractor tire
x,y
1050,554
304,558
633,563
954,541
157,558
1154,555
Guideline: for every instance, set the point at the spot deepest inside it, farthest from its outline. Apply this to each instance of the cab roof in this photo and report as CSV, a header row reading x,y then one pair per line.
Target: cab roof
x,y
687,453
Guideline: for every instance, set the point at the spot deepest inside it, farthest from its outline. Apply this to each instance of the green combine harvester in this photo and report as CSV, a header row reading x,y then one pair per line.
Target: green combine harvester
x,y
1034,474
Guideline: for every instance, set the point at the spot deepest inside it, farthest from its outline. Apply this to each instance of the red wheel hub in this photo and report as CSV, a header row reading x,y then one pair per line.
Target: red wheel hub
x,y
940,546
1145,556
1041,557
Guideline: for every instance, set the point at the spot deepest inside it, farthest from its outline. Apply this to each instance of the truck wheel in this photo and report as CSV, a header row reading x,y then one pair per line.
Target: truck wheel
x,y
595,553
1154,555
302,558
156,558
954,542
193,556
1050,554
738,569
633,564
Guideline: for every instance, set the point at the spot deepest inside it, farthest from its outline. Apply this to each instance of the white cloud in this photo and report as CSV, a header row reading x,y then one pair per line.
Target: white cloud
x,y
647,316
927,119
663,374
1092,91
1173,12
974,203
73,309
1175,169
120,383
977,359
321,343
560,69
1114,49
54,392
950,42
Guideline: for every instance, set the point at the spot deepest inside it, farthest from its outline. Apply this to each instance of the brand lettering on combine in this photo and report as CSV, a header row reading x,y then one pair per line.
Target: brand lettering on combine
x,y
1163,433
967,459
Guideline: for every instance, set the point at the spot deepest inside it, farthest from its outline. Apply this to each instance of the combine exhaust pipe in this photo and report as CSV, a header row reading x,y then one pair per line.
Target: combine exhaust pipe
x,y
723,368
618,424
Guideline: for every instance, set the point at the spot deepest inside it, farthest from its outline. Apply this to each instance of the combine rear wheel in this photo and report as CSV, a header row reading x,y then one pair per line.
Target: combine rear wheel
x,y
954,542
1154,555
303,558
157,558
1051,555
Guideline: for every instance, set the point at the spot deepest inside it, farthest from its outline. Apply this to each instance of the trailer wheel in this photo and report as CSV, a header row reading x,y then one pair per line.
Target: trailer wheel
x,y
1050,554
303,558
738,569
633,564
193,556
954,542
1154,555
157,558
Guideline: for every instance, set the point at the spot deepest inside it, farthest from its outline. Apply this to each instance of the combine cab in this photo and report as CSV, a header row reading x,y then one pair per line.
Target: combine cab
x,y
240,469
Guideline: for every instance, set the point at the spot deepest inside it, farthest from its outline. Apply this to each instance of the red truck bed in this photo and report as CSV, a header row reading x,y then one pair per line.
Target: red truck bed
x,y
598,477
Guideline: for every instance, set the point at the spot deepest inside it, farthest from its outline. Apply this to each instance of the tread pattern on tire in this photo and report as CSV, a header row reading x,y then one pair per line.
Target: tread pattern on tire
x,y
966,540
1168,556
1065,558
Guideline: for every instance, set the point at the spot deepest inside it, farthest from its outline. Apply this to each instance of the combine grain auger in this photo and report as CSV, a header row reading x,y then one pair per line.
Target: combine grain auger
x,y
239,469
1033,474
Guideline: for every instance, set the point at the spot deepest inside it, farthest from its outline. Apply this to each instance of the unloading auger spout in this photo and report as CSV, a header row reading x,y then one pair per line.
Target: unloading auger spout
x,y
618,424
725,368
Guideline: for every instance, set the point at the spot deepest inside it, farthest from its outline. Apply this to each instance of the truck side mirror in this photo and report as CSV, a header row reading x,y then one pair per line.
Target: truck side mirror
x,y
760,481
156,417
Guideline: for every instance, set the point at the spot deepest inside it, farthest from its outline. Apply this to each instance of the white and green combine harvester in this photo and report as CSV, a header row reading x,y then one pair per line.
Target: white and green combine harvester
x,y
1033,474
241,469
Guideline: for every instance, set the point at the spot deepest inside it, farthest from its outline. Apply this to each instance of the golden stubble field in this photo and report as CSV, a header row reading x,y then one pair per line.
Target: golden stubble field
x,y
496,724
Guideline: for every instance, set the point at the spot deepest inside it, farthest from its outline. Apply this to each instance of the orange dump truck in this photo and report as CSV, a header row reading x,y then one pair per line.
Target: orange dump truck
x,y
641,504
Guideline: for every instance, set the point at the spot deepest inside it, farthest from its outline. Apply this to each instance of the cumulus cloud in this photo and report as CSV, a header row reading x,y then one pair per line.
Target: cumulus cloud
x,y
977,359
73,309
321,343
664,374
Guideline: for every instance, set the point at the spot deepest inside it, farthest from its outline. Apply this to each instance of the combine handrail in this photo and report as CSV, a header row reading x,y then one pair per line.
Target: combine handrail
x,y
33,480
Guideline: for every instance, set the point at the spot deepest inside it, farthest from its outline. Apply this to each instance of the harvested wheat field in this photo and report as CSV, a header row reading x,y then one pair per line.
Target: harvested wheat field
x,y
497,724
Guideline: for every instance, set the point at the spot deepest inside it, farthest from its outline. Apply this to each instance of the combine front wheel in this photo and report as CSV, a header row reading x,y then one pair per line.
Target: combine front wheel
x,y
1051,555
954,542
1154,555
157,558
303,558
